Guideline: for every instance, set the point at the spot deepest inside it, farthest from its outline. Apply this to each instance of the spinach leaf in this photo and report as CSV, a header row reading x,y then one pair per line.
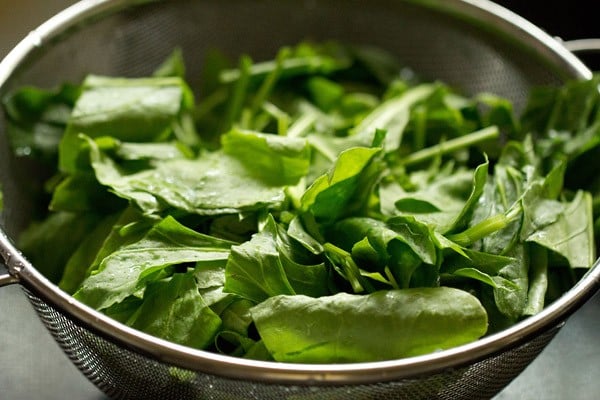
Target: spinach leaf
x,y
126,271
77,267
265,266
392,116
443,202
207,185
304,59
380,326
173,65
136,110
512,300
36,120
174,310
277,160
570,234
50,251
397,247
81,192
346,188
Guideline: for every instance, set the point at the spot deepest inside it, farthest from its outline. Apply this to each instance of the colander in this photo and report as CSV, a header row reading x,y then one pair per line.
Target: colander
x,y
473,45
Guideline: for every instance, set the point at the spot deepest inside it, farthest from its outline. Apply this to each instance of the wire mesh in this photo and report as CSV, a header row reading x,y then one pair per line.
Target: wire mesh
x,y
125,374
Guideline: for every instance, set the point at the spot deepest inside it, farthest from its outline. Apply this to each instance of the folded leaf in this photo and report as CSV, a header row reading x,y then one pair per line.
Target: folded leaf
x,y
125,271
345,188
264,267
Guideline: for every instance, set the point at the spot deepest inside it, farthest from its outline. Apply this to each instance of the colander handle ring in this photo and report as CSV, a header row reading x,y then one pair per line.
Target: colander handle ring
x,y
582,46
5,260
8,279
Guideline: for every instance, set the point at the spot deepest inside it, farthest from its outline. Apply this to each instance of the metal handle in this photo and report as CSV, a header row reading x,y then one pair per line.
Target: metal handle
x,y
8,278
591,45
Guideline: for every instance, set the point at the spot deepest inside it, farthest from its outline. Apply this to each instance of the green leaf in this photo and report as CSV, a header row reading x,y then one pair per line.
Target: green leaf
x,y
126,271
343,263
277,160
174,65
443,203
174,310
81,192
206,185
392,116
305,59
344,188
77,268
567,108
324,92
570,234
143,151
352,328
488,263
36,119
401,244
480,176
496,282
297,232
265,266
538,283
49,244
133,110
512,300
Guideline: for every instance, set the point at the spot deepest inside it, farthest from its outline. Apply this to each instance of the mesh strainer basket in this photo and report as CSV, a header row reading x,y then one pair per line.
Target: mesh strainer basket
x,y
473,45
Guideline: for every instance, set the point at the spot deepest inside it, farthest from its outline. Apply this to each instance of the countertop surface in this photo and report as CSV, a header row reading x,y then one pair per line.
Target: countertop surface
x,y
32,366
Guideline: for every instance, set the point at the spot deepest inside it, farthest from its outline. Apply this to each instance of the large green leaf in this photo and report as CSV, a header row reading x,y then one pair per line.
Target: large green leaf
x,y
380,326
133,110
209,184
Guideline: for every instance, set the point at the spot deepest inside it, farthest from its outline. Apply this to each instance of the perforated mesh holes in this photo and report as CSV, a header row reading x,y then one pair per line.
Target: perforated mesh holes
x,y
124,374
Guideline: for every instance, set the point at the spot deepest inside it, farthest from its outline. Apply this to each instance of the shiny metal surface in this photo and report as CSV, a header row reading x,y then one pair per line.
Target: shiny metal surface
x,y
39,283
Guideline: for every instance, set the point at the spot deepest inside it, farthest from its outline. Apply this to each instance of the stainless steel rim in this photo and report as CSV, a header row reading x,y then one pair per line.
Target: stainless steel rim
x,y
23,272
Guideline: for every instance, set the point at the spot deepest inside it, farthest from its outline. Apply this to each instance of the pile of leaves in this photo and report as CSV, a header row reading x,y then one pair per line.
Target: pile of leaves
x,y
325,206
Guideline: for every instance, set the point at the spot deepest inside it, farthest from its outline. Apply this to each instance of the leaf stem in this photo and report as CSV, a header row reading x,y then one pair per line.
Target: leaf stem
x,y
239,92
452,145
269,81
484,228
538,280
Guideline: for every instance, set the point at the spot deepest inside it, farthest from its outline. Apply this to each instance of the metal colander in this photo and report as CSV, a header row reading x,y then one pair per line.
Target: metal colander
x,y
473,45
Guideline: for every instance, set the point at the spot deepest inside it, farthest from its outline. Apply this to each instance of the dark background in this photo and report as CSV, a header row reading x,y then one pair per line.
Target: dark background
x,y
566,19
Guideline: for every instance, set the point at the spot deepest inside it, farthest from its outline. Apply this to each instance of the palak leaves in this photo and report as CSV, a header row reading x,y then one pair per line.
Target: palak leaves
x,y
324,206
